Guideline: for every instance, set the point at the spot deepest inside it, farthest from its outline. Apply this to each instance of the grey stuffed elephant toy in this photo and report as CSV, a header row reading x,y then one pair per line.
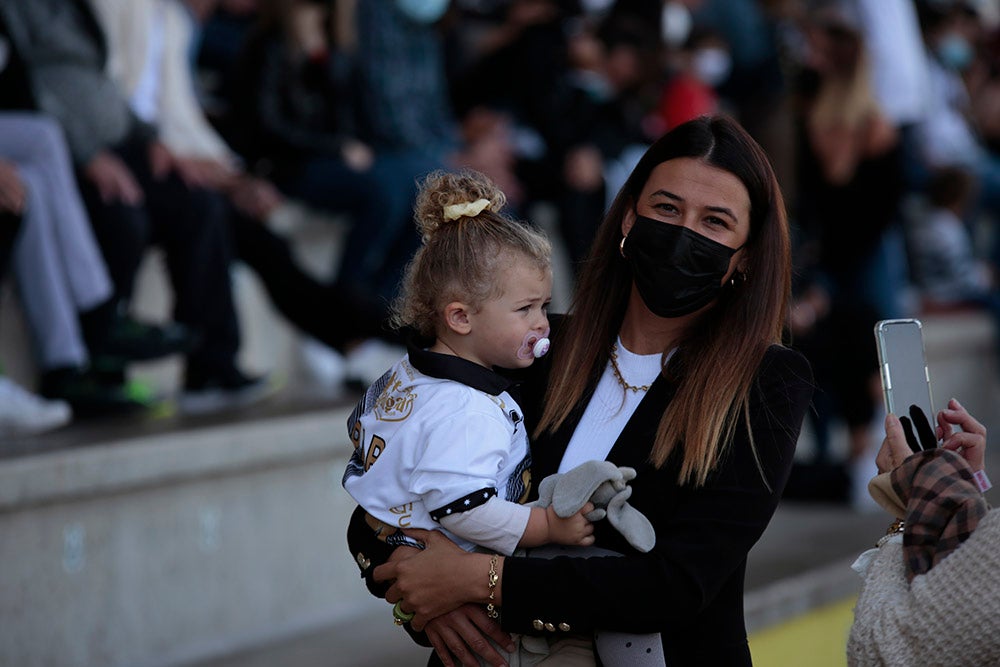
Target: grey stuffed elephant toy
x,y
606,485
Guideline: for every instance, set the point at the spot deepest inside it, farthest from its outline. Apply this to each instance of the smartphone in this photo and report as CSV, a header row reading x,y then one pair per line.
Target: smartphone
x,y
903,367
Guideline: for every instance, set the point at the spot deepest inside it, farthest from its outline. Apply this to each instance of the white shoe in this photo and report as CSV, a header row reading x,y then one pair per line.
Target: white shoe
x,y
235,391
370,360
24,413
324,366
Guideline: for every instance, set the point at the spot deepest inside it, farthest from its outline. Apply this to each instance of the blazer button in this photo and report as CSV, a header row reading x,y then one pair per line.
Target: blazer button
x,y
550,627
538,625
363,562
564,627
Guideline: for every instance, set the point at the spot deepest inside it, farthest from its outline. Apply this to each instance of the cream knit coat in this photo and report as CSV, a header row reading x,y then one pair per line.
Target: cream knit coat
x,y
949,616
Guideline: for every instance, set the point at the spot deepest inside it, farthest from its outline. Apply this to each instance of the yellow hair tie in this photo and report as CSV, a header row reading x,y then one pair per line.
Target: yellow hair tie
x,y
469,209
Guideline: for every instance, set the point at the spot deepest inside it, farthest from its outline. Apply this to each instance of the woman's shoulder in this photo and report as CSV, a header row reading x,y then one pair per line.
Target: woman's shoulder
x,y
784,375
783,362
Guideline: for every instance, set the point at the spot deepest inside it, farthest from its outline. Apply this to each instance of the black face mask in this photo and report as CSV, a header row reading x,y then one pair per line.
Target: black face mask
x,y
677,271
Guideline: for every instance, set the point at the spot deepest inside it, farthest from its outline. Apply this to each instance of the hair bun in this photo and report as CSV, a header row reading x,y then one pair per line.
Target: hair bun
x,y
446,198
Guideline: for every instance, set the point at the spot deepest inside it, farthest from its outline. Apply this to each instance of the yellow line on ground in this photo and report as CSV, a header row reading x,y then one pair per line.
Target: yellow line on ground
x,y
817,638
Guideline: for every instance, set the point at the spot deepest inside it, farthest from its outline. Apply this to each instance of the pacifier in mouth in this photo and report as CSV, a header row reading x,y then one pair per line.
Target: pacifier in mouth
x,y
534,346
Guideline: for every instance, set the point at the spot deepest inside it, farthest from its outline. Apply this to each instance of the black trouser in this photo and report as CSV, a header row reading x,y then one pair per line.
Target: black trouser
x,y
10,224
190,225
331,313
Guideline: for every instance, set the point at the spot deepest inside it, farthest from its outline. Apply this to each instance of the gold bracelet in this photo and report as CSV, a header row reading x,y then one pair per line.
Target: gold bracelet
x,y
491,609
894,529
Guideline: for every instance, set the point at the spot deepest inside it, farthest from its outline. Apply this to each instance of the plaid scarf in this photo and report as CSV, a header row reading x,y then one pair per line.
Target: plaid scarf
x,y
943,506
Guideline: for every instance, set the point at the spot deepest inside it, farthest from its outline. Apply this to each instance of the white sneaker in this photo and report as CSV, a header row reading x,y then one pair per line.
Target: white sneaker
x,y
370,360
235,391
24,413
322,365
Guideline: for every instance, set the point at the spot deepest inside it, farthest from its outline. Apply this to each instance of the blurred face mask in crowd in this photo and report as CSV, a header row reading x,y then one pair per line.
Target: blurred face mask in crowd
x,y
712,65
423,11
675,23
955,52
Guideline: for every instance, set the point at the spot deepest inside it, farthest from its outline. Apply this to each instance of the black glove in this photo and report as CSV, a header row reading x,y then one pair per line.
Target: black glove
x,y
927,439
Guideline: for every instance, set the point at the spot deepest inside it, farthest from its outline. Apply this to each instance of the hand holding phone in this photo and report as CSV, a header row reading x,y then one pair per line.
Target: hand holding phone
x,y
906,385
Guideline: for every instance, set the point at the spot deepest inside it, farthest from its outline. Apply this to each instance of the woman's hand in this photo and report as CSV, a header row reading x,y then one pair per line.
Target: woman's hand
x,y
436,580
114,180
254,196
460,636
970,441
206,173
894,448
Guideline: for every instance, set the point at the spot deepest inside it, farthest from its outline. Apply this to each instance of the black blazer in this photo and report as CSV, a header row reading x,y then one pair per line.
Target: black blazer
x,y
689,587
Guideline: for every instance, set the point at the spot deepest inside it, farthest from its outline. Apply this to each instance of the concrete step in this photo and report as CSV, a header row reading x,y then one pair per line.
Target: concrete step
x,y
368,640
167,548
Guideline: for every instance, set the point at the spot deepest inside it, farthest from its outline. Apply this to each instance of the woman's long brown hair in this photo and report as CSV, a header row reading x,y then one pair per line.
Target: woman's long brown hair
x,y
718,359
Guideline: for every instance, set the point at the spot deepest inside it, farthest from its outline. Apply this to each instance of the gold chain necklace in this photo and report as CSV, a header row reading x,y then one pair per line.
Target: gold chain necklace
x,y
618,373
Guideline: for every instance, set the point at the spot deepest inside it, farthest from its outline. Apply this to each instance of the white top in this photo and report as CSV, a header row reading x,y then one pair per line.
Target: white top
x,y
898,61
145,100
433,445
946,136
132,28
610,408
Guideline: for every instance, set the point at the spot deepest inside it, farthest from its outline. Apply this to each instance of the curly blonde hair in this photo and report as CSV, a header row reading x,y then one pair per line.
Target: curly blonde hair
x,y
461,258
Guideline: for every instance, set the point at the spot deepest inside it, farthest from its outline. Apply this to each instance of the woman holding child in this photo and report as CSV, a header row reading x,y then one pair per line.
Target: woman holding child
x,y
670,363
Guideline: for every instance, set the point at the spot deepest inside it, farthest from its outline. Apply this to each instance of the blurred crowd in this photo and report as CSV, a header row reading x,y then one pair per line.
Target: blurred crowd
x,y
187,124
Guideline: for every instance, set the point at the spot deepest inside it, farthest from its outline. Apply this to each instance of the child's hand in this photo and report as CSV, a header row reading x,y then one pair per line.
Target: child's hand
x,y
575,530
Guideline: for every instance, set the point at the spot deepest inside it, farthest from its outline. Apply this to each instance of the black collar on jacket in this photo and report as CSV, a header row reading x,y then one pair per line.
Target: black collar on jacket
x,y
448,367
